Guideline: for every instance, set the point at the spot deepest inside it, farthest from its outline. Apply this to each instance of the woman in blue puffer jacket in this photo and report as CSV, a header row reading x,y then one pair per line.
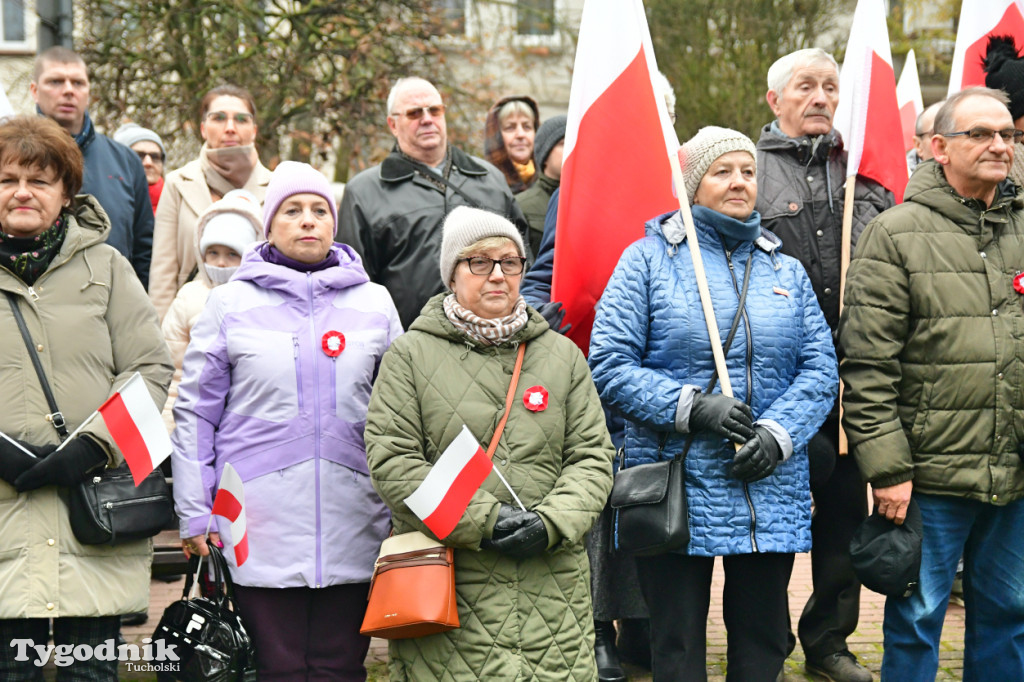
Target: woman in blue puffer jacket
x,y
652,361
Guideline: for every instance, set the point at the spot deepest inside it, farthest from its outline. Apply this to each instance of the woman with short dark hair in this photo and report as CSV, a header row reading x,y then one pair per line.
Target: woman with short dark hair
x,y
92,327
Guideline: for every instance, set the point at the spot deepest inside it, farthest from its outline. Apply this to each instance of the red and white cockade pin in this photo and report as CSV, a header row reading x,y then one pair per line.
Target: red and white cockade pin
x,y
333,343
536,398
1018,283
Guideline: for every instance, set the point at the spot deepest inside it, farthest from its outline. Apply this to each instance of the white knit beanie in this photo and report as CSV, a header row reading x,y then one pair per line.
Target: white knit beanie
x,y
233,221
465,226
701,150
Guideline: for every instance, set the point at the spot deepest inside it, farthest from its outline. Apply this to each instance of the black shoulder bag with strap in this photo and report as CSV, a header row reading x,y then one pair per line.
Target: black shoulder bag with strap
x,y
106,508
648,501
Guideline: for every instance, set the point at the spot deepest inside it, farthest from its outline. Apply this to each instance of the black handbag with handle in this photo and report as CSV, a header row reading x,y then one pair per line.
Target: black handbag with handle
x,y
206,633
648,501
106,508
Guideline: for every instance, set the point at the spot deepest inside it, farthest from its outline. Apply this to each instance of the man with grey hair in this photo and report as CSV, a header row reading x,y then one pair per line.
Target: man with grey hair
x,y
924,128
801,176
933,404
392,214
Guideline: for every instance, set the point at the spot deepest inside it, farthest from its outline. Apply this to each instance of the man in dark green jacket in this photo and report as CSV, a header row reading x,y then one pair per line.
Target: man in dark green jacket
x,y
933,331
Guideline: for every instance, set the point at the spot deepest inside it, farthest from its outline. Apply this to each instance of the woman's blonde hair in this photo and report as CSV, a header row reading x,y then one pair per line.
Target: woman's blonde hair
x,y
487,243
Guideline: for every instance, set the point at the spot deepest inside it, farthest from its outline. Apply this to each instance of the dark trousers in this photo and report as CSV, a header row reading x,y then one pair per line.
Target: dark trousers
x,y
301,633
66,631
841,504
677,589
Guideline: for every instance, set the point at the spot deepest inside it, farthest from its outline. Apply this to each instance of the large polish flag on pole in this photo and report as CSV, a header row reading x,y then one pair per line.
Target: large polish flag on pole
x,y
135,424
980,20
230,503
441,499
868,116
616,172
909,100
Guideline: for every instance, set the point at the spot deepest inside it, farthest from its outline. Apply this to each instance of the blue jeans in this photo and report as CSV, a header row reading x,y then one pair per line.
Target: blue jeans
x,y
991,539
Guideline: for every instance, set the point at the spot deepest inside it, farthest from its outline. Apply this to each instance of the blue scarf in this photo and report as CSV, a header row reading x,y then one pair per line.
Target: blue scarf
x,y
731,230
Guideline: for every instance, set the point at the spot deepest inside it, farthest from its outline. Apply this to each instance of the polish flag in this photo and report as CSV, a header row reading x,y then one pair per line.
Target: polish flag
x,y
908,97
616,173
135,424
230,503
868,116
442,497
980,20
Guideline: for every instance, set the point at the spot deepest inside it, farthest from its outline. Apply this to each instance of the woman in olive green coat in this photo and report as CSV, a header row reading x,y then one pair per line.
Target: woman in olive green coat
x,y
522,577
93,327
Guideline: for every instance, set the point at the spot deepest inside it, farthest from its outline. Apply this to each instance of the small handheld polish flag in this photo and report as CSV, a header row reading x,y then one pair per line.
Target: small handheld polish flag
x,y
230,503
134,422
442,497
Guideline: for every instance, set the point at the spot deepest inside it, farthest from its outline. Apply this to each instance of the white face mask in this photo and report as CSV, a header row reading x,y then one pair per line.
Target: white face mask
x,y
220,275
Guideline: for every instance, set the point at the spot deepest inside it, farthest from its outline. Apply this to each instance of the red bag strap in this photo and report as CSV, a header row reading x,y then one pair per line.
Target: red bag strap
x,y
508,401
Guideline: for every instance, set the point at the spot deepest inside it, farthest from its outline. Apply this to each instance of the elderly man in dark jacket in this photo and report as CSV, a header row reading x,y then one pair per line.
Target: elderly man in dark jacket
x,y
933,404
113,172
801,174
392,214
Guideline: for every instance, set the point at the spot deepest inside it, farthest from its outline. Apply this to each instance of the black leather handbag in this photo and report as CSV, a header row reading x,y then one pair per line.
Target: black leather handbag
x,y
649,507
206,632
107,508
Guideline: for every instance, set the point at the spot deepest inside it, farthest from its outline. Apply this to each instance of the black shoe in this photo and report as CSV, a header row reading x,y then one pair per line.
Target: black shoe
x,y
839,667
609,669
139,618
634,643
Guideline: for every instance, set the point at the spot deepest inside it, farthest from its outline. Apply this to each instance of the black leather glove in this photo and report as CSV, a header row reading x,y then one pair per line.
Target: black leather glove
x,y
80,457
517,533
758,458
14,462
724,415
821,459
554,313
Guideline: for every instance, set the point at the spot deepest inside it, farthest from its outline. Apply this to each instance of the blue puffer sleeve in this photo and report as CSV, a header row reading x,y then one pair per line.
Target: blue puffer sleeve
x,y
802,408
619,342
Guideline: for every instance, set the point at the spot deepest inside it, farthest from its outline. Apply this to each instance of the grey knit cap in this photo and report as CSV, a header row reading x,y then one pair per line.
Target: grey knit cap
x,y
701,150
130,133
550,133
465,226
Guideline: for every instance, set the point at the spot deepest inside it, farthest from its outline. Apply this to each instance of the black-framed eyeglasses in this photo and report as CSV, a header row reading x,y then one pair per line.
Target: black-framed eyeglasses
x,y
479,265
416,113
158,157
241,118
980,135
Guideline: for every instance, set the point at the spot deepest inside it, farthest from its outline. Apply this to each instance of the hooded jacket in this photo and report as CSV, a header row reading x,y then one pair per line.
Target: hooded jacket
x,y
527,619
392,215
650,341
260,391
800,195
494,142
94,327
934,350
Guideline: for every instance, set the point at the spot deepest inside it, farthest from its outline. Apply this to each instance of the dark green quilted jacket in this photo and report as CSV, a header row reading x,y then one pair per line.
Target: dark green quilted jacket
x,y
933,332
521,620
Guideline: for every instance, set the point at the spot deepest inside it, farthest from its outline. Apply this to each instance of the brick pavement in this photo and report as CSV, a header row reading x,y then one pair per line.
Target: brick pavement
x,y
866,642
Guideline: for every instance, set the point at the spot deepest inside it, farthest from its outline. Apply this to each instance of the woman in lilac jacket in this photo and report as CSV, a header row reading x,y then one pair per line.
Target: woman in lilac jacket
x,y
276,381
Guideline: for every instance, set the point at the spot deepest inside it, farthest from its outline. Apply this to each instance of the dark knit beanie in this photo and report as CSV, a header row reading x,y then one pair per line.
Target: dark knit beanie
x,y
1004,70
551,132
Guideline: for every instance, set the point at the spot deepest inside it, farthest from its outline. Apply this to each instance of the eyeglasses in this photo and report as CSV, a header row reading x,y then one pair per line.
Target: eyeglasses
x,y
981,135
220,118
479,265
416,113
158,157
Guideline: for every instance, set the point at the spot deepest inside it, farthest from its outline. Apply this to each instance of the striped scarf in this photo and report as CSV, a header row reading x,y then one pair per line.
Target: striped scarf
x,y
488,332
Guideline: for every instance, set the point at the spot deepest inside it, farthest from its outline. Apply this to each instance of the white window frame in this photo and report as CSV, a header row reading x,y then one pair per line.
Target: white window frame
x,y
26,46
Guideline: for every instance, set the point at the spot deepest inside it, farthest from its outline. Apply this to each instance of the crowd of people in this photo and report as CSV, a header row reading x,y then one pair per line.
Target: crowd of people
x,y
331,351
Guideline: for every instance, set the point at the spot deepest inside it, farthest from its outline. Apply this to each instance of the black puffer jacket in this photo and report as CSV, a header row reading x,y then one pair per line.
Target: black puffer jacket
x,y
800,191
392,216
